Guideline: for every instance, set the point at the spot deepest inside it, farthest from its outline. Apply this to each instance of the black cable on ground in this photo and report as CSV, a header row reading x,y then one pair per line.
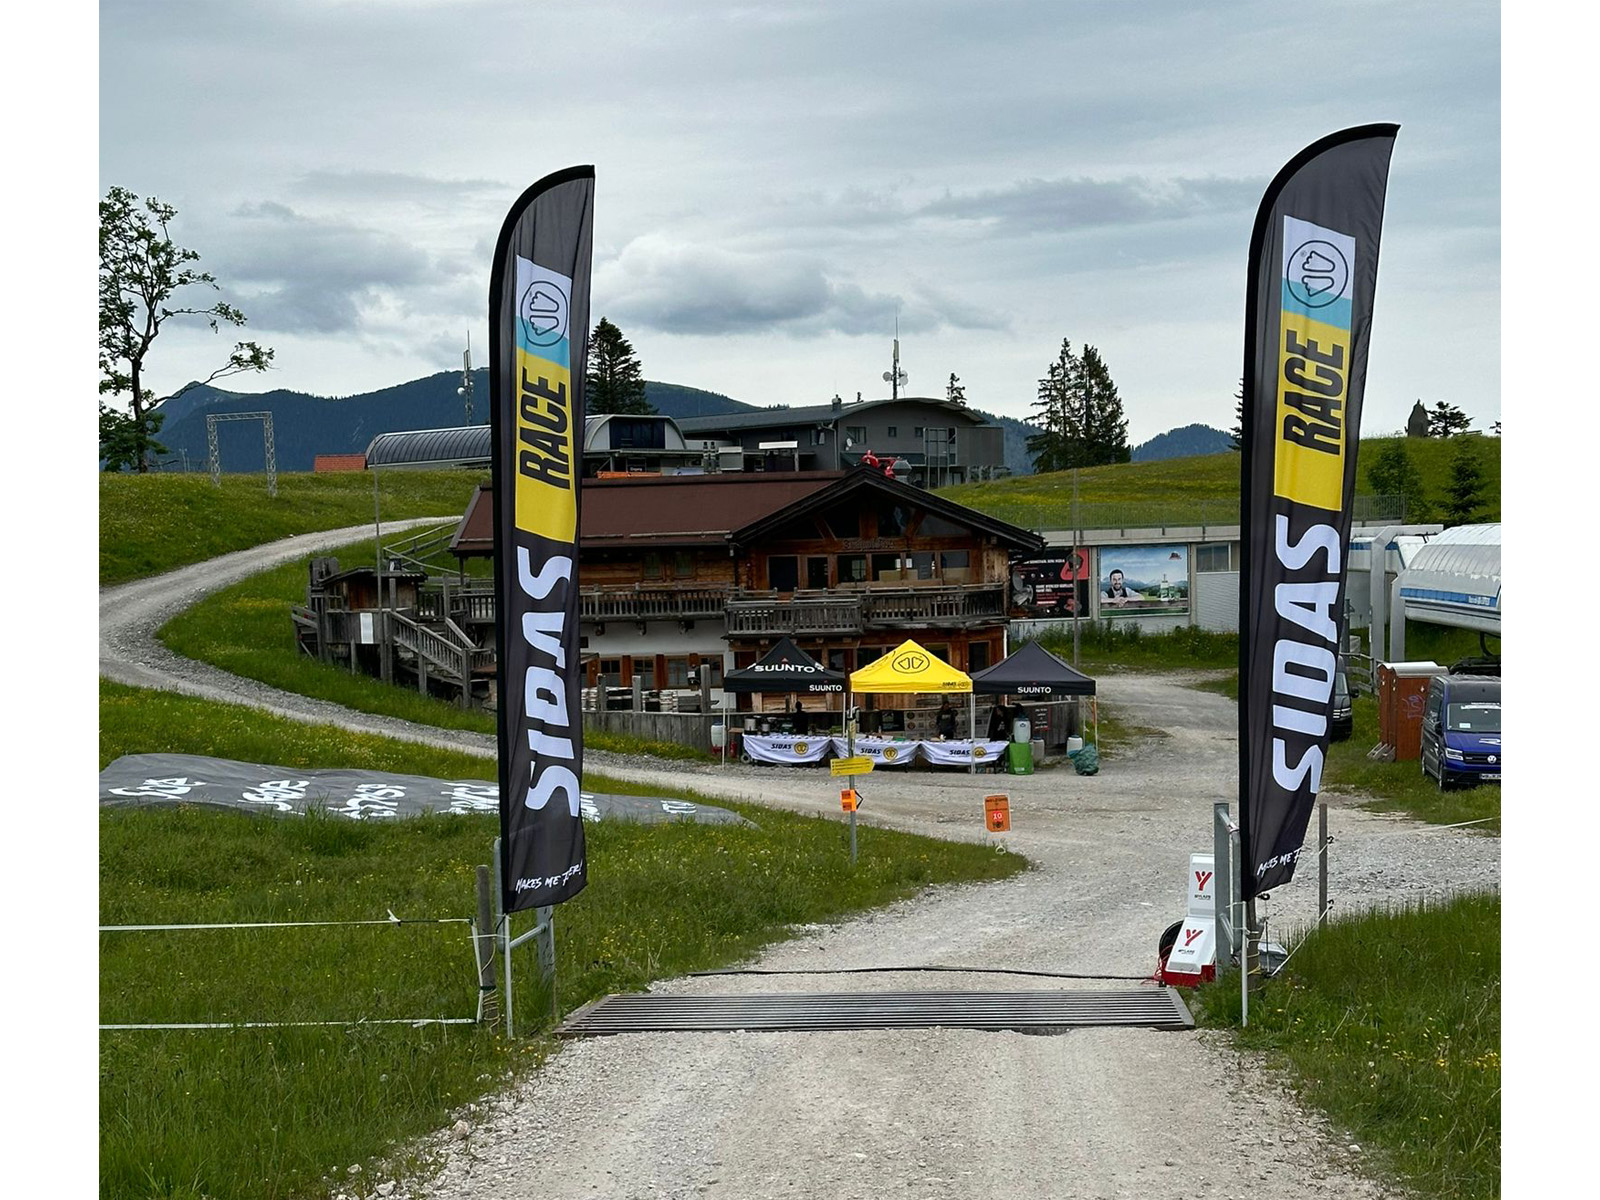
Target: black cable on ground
x,y
892,970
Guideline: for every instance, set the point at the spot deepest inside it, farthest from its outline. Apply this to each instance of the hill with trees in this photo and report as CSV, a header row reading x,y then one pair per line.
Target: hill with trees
x,y
1183,442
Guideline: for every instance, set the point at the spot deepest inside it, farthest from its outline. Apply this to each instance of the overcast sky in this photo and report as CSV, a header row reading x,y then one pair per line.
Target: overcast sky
x,y
777,184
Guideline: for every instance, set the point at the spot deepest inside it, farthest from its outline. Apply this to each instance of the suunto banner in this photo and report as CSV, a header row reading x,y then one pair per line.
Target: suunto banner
x,y
538,342
1308,314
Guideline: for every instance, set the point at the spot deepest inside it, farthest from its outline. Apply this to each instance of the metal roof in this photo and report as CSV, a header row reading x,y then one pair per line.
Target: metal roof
x,y
815,414
466,446
1454,579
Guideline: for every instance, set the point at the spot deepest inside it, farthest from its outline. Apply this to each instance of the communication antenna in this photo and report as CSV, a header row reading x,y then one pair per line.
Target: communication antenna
x,y
895,378
465,390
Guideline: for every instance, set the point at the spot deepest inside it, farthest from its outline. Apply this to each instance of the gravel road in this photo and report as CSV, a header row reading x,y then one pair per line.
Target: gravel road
x,y
917,1113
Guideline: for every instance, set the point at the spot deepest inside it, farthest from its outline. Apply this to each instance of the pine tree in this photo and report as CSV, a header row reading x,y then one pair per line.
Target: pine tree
x,y
1392,473
1463,495
1104,425
1237,432
1446,420
614,381
1049,446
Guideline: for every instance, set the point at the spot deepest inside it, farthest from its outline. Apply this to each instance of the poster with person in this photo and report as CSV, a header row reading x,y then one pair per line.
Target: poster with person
x,y
1051,585
1144,580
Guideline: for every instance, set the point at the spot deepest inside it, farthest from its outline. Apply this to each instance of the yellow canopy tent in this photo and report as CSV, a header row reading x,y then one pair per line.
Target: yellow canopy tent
x,y
910,668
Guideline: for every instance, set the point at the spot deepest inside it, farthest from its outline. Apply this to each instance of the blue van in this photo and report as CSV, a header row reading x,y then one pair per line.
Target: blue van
x,y
1461,730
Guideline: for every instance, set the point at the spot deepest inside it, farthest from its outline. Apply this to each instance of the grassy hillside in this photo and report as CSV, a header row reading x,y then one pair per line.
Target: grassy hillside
x,y
1199,489
155,523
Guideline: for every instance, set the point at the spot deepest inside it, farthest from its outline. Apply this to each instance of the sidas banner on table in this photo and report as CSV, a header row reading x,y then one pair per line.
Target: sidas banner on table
x,y
1308,313
538,344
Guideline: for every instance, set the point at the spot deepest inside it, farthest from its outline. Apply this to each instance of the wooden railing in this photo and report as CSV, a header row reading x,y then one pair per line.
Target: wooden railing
x,y
640,603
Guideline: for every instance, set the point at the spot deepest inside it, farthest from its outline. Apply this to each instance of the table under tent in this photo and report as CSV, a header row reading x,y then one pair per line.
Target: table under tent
x,y
911,669
785,669
1032,672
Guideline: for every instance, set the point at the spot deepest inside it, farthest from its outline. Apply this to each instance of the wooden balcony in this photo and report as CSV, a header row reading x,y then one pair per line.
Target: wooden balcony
x,y
645,603
863,610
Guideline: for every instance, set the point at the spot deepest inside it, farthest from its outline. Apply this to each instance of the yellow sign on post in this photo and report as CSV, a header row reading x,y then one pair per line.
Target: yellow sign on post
x,y
851,766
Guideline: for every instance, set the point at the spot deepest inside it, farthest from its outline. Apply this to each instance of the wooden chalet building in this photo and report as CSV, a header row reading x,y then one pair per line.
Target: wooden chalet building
x,y
683,577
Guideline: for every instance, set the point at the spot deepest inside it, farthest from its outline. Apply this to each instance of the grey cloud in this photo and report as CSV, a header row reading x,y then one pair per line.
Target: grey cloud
x,y
390,185
1064,204
303,274
699,290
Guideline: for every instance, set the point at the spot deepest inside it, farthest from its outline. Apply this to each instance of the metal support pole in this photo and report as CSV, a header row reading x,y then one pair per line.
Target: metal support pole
x,y
1322,861
484,941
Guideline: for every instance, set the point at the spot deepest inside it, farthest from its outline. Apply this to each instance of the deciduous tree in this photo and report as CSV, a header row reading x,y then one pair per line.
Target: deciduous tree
x,y
142,270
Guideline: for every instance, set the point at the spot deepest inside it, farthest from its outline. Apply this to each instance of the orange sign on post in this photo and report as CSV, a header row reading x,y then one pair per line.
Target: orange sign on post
x,y
997,813
848,800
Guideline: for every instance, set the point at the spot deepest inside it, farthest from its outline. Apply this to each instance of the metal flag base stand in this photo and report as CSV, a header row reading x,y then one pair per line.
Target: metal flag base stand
x,y
543,935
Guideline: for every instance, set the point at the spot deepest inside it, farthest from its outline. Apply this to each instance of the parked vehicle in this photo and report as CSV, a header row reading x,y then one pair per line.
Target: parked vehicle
x,y
1461,730
1342,724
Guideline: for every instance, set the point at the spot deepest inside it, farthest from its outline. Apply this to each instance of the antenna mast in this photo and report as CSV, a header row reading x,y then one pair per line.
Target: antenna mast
x,y
465,390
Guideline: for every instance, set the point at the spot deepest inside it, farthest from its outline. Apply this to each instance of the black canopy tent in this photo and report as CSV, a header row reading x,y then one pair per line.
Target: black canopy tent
x,y
1033,672
784,668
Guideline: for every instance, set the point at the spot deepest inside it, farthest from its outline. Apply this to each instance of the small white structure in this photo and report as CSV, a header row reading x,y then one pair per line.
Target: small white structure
x,y
1193,958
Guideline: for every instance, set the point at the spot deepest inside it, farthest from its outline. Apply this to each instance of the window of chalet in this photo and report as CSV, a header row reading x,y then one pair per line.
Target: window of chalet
x,y
870,654
922,563
683,565
843,521
856,433
893,518
894,431
610,672
783,572
839,660
977,656
1216,556
933,526
916,432
852,568
711,666
678,672
645,669
652,565
817,572
956,565
886,566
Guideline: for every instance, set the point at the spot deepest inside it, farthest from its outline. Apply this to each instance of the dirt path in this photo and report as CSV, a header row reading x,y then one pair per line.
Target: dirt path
x,y
923,1113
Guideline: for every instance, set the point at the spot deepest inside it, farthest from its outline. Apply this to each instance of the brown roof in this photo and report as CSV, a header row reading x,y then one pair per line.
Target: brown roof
x,y
660,510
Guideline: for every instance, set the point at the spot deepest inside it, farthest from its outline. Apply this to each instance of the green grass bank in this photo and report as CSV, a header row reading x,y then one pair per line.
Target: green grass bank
x,y
150,524
1201,488
1390,1024
283,1112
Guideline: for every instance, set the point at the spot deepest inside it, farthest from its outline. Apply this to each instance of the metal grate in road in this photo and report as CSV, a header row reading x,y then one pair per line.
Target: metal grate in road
x,y
1028,1012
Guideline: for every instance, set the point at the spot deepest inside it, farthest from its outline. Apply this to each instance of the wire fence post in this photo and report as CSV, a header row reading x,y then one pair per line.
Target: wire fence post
x,y
1322,861
488,1003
